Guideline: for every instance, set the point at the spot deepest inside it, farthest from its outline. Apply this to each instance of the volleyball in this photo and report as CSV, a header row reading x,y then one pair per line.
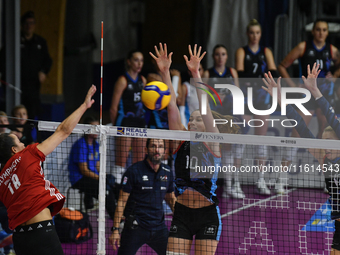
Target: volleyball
x,y
156,95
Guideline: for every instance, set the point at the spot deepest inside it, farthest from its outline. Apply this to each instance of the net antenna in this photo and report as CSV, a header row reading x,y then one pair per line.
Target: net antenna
x,y
101,74
102,173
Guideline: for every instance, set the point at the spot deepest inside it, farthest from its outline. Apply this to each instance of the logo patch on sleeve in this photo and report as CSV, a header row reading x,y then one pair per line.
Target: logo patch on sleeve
x,y
125,180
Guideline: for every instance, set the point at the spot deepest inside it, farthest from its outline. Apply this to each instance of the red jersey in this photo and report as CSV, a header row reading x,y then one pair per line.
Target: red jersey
x,y
23,188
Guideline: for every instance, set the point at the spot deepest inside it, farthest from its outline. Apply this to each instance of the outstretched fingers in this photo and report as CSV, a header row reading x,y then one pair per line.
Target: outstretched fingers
x,y
190,51
152,55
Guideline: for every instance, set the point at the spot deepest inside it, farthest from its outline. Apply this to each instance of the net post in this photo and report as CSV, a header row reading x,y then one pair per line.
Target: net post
x,y
102,188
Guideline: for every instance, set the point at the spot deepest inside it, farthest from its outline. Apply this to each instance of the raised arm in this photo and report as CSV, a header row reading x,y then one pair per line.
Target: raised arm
x,y
326,108
163,61
291,113
193,65
66,127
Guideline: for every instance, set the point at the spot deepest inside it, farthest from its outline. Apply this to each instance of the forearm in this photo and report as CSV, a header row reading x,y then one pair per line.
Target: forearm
x,y
118,213
171,200
316,93
71,121
113,115
283,72
328,111
85,171
301,126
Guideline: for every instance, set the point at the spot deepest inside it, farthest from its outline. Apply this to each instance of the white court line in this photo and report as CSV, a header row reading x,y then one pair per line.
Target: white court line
x,y
256,203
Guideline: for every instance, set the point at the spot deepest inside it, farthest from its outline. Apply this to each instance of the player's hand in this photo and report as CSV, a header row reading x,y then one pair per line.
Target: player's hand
x,y
272,87
195,59
114,240
310,82
88,99
162,58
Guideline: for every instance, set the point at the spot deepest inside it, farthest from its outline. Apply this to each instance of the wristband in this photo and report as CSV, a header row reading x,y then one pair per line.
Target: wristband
x,y
114,228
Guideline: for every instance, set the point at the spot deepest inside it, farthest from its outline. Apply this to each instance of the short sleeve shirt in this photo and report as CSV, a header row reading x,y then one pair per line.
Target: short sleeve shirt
x,y
81,152
147,190
23,188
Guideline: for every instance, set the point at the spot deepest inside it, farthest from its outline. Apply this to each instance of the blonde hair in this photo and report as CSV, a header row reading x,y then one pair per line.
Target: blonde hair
x,y
2,113
225,128
330,129
253,22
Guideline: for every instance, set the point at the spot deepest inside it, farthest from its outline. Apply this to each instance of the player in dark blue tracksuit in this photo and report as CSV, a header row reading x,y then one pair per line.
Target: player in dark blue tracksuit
x,y
144,187
326,158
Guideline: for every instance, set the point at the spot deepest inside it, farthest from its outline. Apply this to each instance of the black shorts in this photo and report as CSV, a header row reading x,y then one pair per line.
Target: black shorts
x,y
336,237
133,122
203,223
37,239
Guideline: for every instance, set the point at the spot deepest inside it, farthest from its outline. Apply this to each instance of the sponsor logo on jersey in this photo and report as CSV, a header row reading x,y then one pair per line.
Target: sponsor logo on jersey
x,y
163,178
147,187
130,87
248,57
125,180
173,229
311,53
163,188
145,178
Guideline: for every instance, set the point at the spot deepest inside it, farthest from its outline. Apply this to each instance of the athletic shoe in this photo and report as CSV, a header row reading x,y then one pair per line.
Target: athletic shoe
x,y
234,192
279,188
225,193
239,194
262,187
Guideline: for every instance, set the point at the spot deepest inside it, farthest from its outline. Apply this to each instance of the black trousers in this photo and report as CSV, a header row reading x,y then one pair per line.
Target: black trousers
x,y
90,187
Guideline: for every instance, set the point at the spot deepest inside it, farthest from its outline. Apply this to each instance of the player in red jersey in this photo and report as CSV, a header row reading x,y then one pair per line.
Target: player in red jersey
x,y
30,199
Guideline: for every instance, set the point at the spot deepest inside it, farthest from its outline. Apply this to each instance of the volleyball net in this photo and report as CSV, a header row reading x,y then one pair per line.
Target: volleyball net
x,y
271,190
